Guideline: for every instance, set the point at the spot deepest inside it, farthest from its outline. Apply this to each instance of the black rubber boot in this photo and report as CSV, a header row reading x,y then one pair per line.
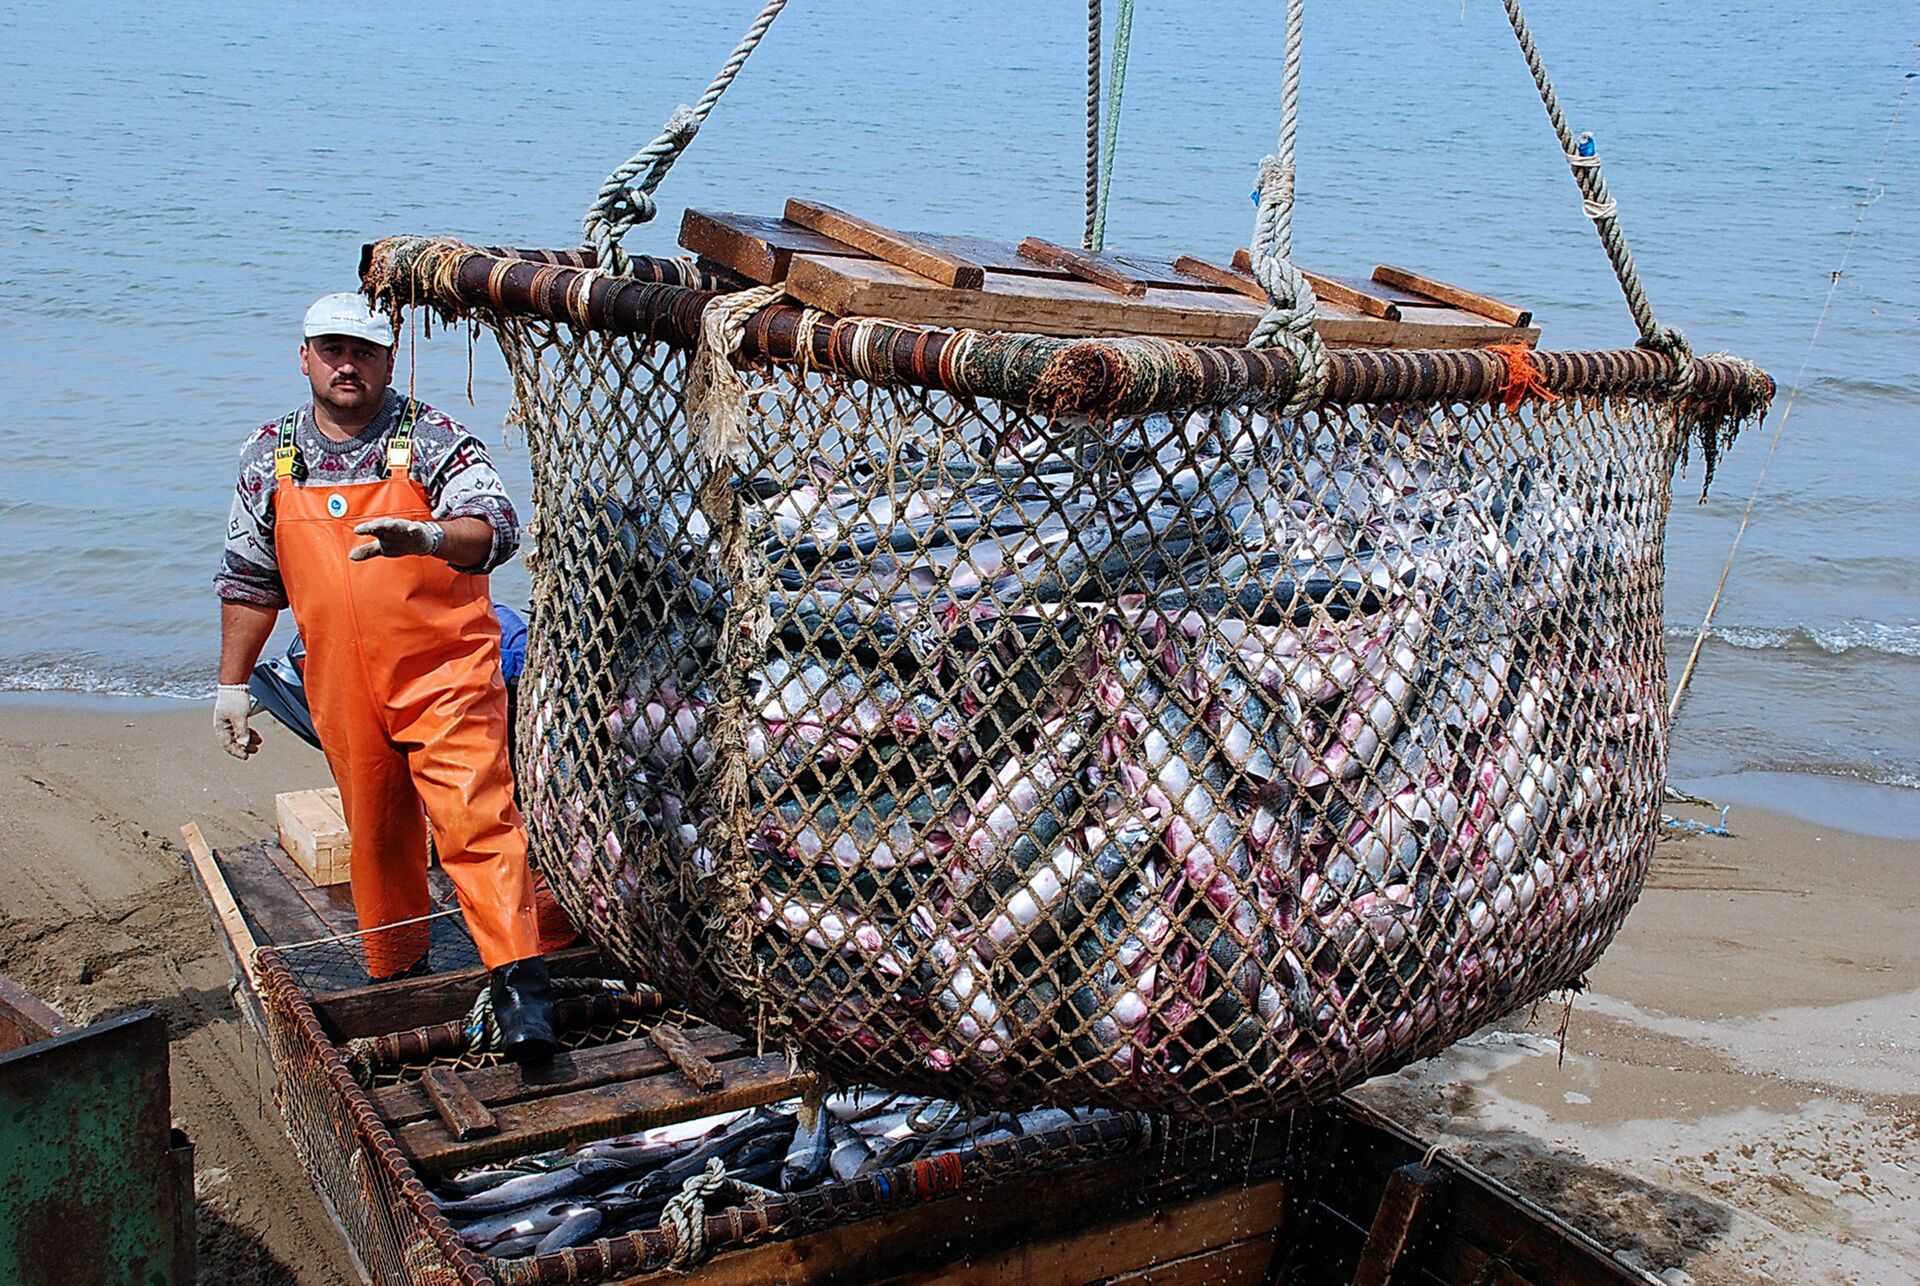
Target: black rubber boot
x,y
523,1008
418,969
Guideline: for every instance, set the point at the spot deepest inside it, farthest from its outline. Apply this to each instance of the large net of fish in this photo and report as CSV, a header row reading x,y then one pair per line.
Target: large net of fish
x,y
1202,761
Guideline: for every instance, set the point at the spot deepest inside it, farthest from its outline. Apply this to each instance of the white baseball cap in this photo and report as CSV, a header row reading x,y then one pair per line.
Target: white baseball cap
x,y
347,314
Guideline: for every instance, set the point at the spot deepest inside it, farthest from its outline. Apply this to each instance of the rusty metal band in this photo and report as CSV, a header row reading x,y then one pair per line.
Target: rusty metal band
x,y
1050,374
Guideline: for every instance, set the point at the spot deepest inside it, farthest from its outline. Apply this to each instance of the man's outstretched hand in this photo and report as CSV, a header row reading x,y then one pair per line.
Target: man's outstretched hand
x,y
397,538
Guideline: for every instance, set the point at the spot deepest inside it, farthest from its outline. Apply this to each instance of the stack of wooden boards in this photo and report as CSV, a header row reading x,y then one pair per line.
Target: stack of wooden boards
x,y
850,267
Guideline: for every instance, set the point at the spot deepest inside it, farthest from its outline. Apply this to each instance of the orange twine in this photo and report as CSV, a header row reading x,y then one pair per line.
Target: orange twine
x,y
935,1175
1524,378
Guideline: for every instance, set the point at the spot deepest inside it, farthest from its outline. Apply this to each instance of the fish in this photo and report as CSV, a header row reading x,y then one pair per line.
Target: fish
x,y
808,1154
850,1154
1206,741
528,1190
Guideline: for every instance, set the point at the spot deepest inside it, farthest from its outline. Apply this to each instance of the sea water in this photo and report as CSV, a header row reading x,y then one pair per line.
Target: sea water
x,y
178,182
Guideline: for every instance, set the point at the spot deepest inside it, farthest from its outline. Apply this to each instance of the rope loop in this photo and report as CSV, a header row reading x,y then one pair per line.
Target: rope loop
x,y
1670,341
622,204
1287,323
683,1220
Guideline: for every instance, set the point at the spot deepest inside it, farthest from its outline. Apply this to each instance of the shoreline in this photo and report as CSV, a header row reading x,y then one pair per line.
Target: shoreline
x,y
1734,1101
1871,809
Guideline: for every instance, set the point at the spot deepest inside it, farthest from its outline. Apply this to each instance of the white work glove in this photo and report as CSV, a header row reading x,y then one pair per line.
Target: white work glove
x,y
397,538
230,710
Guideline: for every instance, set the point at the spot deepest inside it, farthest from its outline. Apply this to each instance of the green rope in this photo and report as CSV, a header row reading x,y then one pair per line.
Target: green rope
x,y
1102,182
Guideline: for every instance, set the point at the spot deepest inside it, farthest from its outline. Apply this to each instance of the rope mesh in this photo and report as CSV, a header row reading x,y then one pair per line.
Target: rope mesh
x,y
1204,761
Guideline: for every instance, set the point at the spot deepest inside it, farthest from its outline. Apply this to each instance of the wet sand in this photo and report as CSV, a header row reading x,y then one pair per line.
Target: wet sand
x,y
1738,1098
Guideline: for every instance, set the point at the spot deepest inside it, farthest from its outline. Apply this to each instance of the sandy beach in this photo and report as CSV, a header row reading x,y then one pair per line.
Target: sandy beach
x,y
1734,1100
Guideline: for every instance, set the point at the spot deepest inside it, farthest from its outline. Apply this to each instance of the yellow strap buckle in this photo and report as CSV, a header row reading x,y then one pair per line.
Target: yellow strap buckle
x,y
399,457
283,462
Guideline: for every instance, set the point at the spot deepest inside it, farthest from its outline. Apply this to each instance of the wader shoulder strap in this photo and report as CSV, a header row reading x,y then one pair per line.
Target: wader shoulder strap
x,y
400,445
287,464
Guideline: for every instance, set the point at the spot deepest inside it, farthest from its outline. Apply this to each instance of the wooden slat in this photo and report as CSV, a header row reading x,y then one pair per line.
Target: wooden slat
x,y
236,938
1057,306
1098,269
1460,297
465,1116
570,1070
897,248
1047,305
273,907
1332,290
1154,1236
688,1061
1402,299
915,1244
331,905
1363,1145
1407,1210
543,1123
758,248
384,1007
1227,278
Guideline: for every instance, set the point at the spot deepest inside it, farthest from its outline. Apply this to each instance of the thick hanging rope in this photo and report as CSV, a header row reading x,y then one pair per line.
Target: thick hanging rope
x,y
1583,158
1093,123
1287,322
1100,178
623,204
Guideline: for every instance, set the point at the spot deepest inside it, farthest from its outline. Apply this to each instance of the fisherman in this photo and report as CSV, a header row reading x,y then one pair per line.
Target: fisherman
x,y
377,519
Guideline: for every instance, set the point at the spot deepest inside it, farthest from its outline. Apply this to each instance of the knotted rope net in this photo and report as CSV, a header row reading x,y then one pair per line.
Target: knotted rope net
x,y
1080,722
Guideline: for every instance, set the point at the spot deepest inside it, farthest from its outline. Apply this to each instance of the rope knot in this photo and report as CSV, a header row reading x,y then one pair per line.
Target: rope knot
x,y
1524,378
716,395
683,1220
1668,340
681,126
1276,180
628,209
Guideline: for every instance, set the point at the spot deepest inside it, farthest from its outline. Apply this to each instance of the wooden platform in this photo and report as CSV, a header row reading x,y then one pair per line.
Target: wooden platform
x,y
1336,1194
847,266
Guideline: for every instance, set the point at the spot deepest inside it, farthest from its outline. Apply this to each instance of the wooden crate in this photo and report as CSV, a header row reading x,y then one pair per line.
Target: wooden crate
x,y
313,831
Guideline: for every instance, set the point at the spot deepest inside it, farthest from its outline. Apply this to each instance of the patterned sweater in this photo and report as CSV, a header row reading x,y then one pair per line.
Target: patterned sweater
x,y
448,461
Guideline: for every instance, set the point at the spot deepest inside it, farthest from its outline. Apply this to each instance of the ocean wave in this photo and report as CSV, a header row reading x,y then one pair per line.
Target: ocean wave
x,y
1856,388
1902,778
77,678
1877,637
